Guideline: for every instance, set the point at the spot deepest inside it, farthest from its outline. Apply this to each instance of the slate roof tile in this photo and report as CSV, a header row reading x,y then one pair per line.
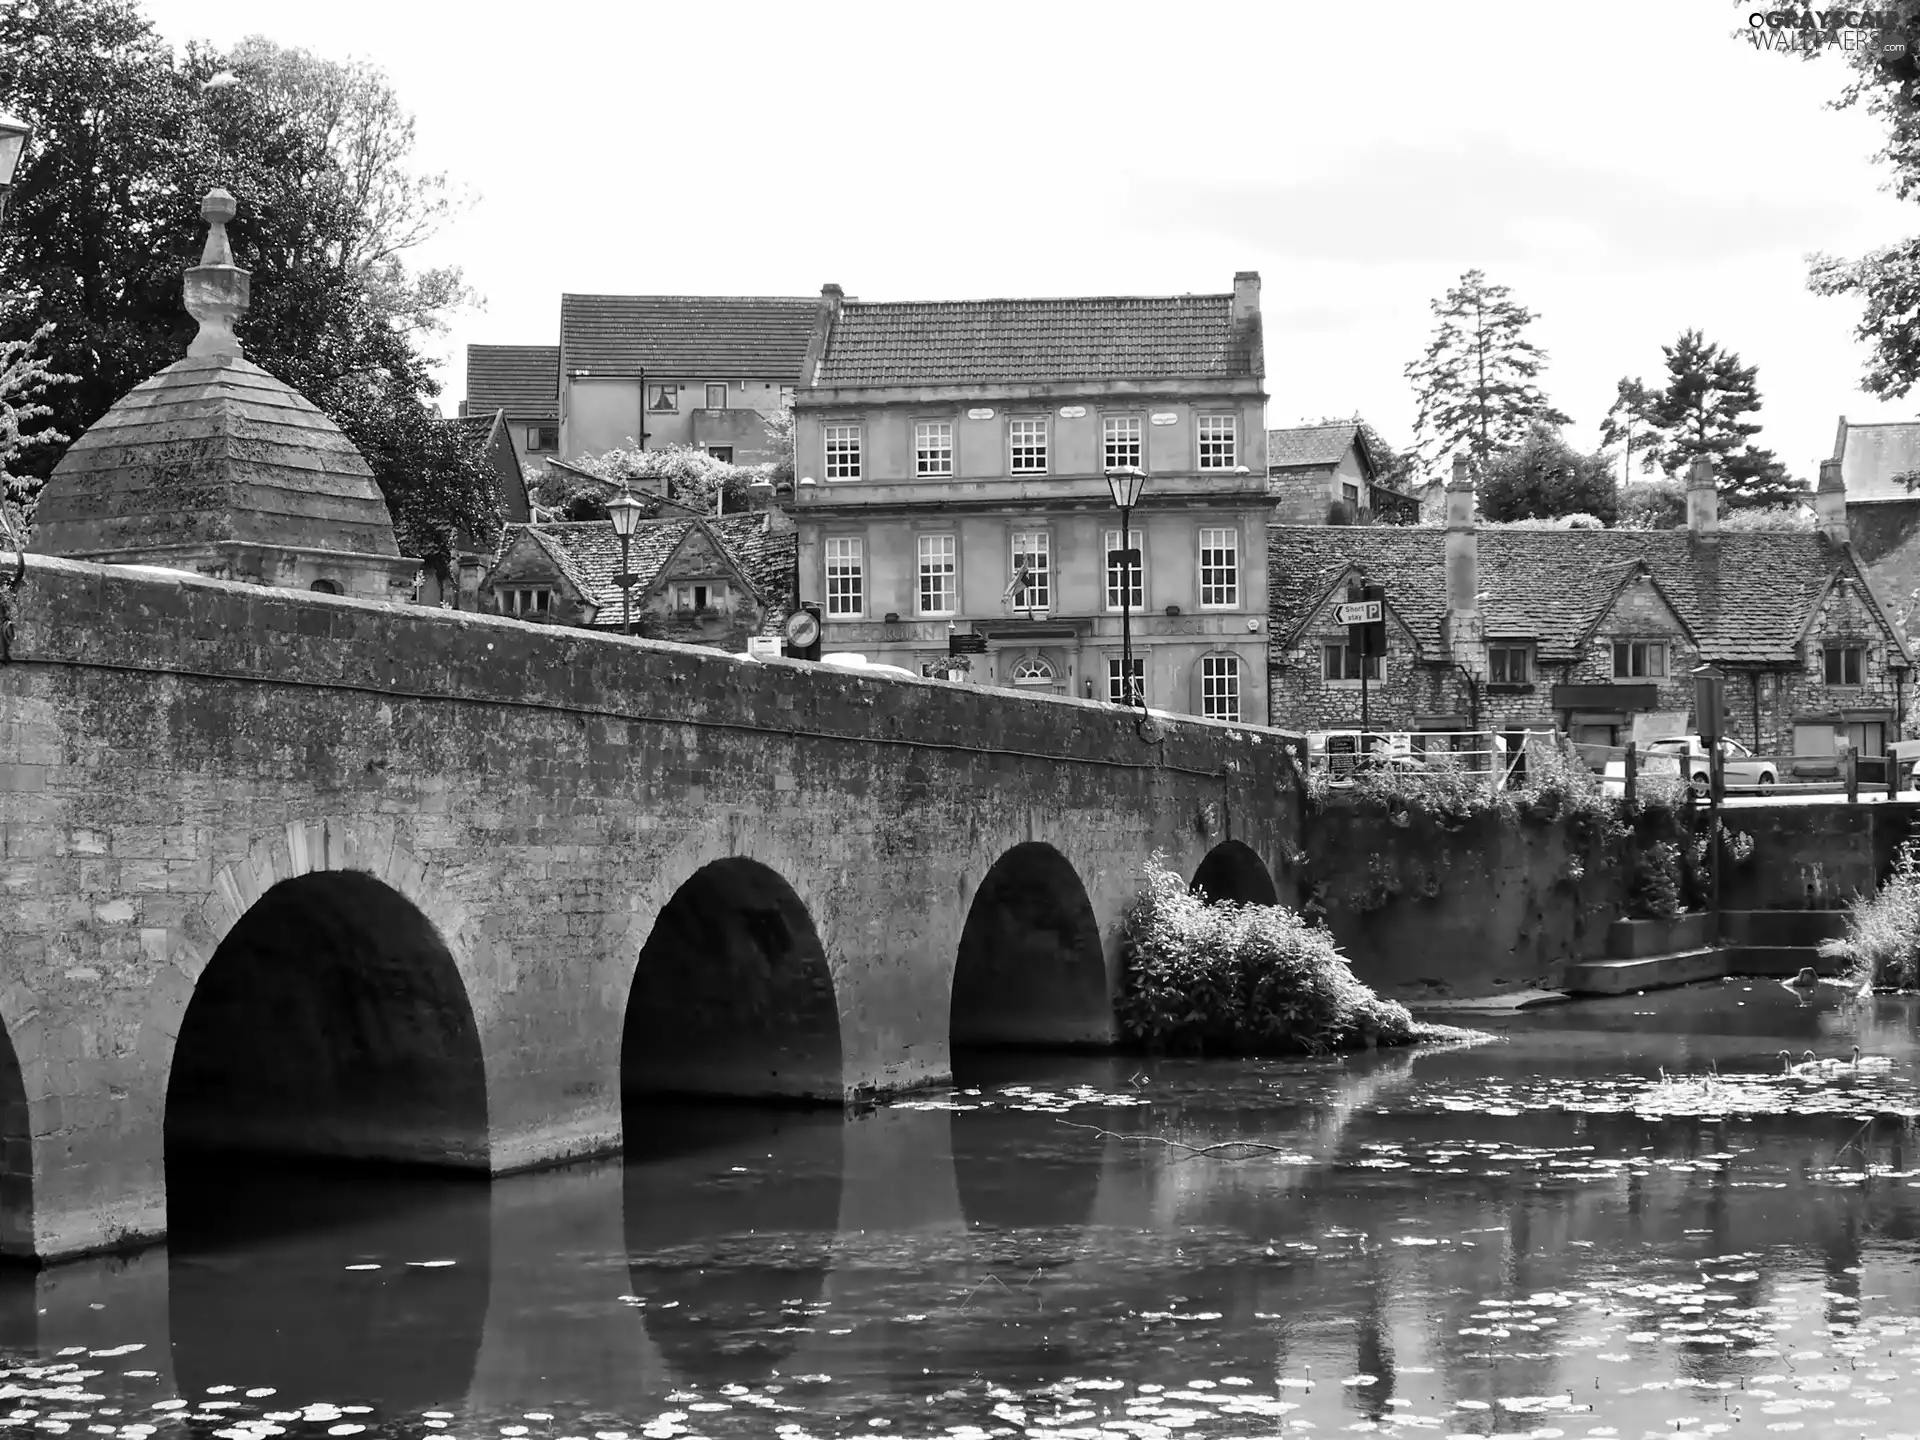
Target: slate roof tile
x,y
1034,341
1310,444
523,380
725,337
1747,597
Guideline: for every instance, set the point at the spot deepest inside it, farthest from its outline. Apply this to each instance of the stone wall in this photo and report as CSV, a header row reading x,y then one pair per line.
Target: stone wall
x,y
172,749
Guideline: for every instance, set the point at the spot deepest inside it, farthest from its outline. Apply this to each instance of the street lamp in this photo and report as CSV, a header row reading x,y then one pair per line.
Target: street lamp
x,y
14,135
625,511
1126,482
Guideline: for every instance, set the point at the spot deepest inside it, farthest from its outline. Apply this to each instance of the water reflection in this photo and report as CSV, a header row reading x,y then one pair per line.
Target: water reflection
x,y
1411,1241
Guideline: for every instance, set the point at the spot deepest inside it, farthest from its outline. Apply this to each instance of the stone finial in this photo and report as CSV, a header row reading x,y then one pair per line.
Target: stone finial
x,y
217,293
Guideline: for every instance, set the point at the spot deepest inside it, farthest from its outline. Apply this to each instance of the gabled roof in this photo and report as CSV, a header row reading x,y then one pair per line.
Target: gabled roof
x,y
1315,445
587,553
523,380
485,437
726,337
1873,458
956,342
1747,597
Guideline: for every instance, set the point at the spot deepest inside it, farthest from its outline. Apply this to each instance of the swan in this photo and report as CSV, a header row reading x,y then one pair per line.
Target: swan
x,y
1810,1068
1868,1062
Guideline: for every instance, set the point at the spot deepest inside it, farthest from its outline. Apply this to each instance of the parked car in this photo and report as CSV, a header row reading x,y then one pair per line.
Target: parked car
x,y
1687,754
848,660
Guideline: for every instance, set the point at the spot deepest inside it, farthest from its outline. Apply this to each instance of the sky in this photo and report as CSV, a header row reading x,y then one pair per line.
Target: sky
x,y
1630,171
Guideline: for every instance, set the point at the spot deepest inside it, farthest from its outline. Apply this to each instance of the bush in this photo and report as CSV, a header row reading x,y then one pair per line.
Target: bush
x,y
1242,980
1882,943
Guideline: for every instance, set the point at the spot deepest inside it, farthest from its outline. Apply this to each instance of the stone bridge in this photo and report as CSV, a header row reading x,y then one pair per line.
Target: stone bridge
x,y
298,874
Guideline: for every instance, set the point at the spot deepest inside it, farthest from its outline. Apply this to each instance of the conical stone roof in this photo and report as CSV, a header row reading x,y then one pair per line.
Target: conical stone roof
x,y
213,465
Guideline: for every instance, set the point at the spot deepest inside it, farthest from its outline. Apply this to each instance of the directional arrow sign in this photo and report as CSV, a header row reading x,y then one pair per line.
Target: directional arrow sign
x,y
1360,612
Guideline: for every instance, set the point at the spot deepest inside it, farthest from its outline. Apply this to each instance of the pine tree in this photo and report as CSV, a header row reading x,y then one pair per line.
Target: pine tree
x,y
1702,410
1476,383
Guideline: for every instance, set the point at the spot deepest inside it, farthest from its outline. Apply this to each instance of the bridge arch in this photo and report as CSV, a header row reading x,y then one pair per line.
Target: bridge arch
x,y
331,1021
733,994
1232,872
1031,968
16,1153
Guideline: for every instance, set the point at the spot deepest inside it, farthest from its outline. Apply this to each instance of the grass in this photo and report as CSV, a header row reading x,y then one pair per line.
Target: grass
x,y
1226,979
1882,943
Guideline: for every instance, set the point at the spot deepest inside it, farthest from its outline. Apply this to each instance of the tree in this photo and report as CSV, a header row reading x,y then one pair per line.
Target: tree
x,y
1701,411
692,478
1545,478
1652,505
24,379
106,216
1476,384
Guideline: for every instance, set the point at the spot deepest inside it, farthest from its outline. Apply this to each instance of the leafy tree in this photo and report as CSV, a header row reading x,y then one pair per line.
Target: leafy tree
x,y
1768,517
106,216
1544,478
1476,384
1652,505
690,477
24,379
1702,410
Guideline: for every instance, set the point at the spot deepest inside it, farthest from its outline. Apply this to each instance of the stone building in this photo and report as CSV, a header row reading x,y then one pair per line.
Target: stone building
x,y
1582,630
1880,466
712,581
214,466
487,439
699,370
952,459
1311,469
521,383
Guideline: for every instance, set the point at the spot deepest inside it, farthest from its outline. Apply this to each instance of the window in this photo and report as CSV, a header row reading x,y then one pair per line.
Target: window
x,y
1507,664
1220,687
1219,569
1115,694
694,596
543,437
1033,671
1867,737
717,396
1120,441
846,576
722,453
1032,587
933,448
1027,440
1216,442
843,452
1342,663
1350,493
525,601
938,582
1843,664
1118,567
324,587
1639,659
664,398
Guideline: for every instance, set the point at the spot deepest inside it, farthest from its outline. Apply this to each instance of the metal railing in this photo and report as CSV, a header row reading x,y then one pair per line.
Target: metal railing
x,y
1495,759
1848,772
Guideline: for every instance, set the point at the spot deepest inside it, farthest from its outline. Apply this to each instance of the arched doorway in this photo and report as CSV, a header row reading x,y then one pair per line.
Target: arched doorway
x,y
1232,872
1030,969
733,995
16,1156
331,1023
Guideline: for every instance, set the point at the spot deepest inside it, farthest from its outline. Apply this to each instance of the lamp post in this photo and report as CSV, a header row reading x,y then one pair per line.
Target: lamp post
x,y
1126,482
625,511
14,135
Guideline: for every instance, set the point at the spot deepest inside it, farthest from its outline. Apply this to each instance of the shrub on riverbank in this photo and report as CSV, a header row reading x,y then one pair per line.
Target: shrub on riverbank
x,y
1223,979
1882,943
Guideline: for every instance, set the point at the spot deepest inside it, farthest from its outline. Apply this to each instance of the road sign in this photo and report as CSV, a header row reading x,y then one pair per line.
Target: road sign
x,y
1360,612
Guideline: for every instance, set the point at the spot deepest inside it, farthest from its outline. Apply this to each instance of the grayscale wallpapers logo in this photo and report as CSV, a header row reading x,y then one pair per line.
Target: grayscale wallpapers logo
x,y
1852,31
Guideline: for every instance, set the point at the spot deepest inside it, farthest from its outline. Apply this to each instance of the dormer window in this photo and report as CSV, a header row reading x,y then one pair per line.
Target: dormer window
x,y
528,602
1844,664
690,597
1508,665
1639,659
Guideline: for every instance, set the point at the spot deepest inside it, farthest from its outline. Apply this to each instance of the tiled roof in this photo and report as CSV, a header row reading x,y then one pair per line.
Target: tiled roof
x,y
1035,341
1311,444
1746,597
727,337
1873,458
523,380
587,552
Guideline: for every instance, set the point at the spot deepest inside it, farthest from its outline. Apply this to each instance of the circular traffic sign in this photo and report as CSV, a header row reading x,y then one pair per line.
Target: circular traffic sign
x,y
803,628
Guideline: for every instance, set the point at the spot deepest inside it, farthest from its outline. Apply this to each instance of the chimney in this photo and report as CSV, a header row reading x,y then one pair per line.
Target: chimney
x,y
1246,295
1703,500
216,287
832,297
1463,545
1830,504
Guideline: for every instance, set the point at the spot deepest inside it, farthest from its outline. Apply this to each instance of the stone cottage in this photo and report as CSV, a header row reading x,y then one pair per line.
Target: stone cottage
x,y
711,581
1313,468
1583,630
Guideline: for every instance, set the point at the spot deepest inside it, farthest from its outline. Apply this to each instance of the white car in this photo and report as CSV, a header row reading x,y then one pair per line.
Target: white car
x,y
1687,754
859,664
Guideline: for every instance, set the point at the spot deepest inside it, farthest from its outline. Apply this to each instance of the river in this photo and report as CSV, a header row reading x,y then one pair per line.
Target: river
x,y
1539,1236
